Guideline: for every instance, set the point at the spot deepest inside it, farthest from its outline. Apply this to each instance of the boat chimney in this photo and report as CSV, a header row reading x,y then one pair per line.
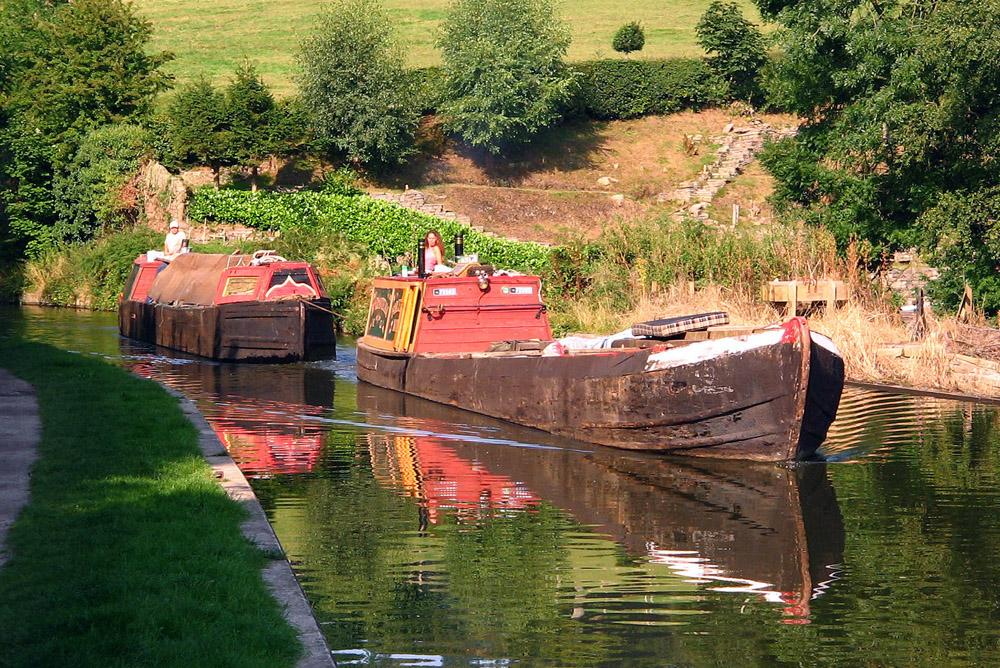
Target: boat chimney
x,y
421,261
459,245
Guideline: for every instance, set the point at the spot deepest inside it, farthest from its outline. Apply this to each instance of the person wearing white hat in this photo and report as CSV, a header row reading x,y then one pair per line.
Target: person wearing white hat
x,y
173,245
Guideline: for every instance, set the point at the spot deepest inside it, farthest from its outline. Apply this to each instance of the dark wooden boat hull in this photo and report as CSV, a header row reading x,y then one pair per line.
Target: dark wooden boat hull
x,y
280,331
753,405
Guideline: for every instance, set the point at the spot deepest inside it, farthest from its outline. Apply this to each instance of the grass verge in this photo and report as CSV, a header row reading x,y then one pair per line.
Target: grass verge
x,y
129,553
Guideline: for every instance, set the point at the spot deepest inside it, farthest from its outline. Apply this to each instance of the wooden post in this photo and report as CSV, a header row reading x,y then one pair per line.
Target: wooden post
x,y
965,307
831,297
793,300
736,214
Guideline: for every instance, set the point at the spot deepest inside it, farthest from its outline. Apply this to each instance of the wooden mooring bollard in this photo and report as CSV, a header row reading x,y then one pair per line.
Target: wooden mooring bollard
x,y
792,294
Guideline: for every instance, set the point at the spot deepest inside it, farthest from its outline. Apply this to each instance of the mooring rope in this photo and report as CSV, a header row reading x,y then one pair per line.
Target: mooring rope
x,y
317,306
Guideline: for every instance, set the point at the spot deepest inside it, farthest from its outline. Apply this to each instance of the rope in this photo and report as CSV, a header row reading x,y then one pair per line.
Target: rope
x,y
318,307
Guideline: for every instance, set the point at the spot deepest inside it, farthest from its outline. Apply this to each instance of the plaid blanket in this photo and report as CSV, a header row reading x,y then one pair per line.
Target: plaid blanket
x,y
667,327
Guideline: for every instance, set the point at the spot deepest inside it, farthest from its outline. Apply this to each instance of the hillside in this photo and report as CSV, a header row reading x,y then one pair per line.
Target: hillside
x,y
211,38
577,178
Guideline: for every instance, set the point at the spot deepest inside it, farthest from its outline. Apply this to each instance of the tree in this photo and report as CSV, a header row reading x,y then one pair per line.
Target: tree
x,y
252,115
68,68
91,193
735,47
902,109
199,128
354,85
504,73
630,37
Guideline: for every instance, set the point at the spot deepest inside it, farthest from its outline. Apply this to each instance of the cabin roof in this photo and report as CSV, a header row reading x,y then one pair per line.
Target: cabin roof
x,y
190,278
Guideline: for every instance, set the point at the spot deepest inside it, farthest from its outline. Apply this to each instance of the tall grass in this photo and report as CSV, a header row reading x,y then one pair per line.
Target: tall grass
x,y
88,275
644,262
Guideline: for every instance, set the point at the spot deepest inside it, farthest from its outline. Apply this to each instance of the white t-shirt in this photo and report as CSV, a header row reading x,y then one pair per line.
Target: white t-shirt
x,y
173,244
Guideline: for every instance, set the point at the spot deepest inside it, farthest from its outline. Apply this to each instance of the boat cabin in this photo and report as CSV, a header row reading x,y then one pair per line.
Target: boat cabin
x,y
454,313
205,280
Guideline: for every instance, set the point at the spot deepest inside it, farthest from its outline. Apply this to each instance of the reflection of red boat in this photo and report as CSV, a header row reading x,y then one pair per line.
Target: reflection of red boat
x,y
265,451
244,404
440,479
228,307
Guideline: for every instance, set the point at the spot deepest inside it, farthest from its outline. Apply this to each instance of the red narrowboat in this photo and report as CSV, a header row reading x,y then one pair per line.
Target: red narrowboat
x,y
229,307
483,343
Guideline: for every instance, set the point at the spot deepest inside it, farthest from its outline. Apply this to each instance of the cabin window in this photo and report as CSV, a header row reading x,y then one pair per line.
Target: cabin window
x,y
240,286
297,275
383,319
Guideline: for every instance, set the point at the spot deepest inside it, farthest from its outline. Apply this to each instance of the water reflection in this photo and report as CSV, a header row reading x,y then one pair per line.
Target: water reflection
x,y
258,411
731,527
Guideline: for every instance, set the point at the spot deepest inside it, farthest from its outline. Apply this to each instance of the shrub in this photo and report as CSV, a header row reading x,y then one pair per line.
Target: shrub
x,y
962,232
91,195
630,37
618,89
358,96
428,88
381,228
505,79
735,48
342,181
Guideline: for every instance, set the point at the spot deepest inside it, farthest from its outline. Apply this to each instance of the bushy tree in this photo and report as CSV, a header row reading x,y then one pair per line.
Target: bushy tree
x,y
902,109
735,47
354,85
252,115
504,73
962,233
630,37
199,127
68,68
90,194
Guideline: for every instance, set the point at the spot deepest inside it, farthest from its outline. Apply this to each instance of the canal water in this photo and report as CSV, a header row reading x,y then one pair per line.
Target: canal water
x,y
428,536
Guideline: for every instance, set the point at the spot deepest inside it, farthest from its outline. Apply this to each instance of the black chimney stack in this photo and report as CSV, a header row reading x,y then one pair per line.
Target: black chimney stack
x,y
459,245
421,262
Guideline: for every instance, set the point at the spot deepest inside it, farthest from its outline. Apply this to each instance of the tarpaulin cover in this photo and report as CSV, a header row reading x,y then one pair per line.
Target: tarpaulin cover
x,y
191,278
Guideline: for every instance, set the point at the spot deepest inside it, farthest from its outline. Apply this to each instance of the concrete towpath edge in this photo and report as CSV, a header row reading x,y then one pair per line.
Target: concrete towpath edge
x,y
20,432
278,575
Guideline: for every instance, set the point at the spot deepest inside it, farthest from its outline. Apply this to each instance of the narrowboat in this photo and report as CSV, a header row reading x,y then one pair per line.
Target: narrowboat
x,y
480,339
257,307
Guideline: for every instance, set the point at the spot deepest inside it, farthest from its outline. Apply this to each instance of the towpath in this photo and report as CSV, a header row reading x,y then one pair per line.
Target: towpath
x,y
20,431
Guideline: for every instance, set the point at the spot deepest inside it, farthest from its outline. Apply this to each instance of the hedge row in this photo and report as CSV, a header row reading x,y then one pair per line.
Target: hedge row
x,y
384,228
615,89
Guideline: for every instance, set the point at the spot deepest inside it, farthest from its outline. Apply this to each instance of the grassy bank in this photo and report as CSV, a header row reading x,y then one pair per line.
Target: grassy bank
x,y
129,553
202,34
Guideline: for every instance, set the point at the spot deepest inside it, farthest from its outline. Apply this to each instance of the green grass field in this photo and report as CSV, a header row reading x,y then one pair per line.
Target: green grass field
x,y
213,37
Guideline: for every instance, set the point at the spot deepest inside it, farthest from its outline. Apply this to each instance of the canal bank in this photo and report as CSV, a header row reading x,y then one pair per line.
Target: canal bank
x,y
128,550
